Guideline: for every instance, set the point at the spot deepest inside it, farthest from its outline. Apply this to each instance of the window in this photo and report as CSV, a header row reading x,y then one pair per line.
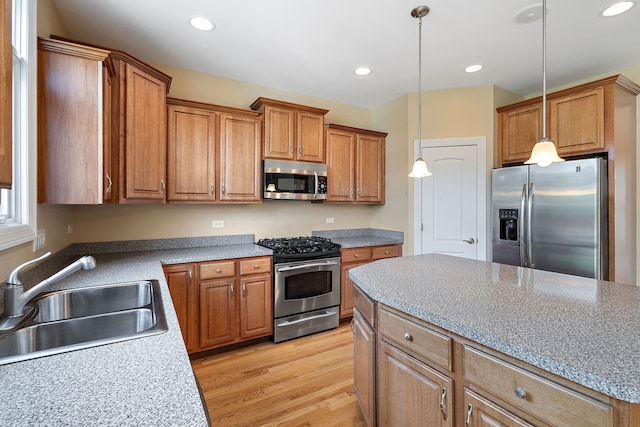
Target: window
x,y
18,204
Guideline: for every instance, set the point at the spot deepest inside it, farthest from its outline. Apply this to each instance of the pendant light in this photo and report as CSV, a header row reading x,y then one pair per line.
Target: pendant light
x,y
544,152
420,169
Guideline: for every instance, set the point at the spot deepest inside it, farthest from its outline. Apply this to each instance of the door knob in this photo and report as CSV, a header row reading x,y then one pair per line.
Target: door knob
x,y
470,240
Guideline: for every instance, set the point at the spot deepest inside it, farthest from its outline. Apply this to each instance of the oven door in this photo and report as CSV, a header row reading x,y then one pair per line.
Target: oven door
x,y
304,286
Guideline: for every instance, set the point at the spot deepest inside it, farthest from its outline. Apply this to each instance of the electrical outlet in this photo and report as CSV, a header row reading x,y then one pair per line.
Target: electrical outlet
x,y
69,228
39,241
217,223
330,220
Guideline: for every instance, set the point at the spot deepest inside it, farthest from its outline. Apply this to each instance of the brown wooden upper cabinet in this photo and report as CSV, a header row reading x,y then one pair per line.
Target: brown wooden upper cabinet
x,y
74,124
140,125
355,165
581,120
6,91
214,153
102,126
292,131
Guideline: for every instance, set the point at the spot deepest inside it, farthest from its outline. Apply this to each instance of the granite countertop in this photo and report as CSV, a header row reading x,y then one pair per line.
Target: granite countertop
x,y
361,237
584,330
144,381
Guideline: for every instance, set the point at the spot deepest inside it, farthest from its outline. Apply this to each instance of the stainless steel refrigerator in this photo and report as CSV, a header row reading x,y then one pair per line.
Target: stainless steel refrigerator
x,y
552,218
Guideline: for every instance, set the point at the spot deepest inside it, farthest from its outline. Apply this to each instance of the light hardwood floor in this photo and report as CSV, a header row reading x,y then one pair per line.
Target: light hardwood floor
x,y
303,382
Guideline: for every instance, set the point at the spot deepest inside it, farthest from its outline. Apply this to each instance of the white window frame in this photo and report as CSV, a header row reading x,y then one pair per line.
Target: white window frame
x,y
21,227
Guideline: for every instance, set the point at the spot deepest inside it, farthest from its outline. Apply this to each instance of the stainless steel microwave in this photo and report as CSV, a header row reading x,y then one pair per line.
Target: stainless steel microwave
x,y
288,180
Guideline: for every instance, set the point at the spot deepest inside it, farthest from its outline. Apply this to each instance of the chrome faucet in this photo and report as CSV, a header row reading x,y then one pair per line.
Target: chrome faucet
x,y
15,299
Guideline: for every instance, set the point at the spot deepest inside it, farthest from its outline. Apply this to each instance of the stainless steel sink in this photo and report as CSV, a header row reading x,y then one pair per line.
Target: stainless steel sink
x,y
92,301
86,317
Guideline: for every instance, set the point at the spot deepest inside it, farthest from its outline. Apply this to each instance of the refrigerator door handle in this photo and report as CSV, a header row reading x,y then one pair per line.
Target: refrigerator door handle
x,y
522,226
529,215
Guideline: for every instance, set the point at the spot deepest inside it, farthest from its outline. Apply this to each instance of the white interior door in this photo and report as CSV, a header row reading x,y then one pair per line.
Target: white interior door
x,y
452,202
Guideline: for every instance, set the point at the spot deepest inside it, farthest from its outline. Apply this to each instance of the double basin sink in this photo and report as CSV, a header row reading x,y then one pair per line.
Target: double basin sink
x,y
80,318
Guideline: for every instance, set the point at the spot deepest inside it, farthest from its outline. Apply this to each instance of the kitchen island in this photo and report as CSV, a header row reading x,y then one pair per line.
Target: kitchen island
x,y
140,382
515,345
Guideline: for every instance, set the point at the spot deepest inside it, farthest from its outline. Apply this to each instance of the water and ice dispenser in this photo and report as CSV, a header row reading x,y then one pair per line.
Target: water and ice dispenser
x,y
508,224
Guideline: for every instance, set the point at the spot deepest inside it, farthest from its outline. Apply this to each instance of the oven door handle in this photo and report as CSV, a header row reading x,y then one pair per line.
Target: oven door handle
x,y
303,266
306,319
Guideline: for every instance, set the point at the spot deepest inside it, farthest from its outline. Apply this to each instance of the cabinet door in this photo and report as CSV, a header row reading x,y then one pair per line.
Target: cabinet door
x,y
145,143
180,279
256,302
218,323
240,170
191,154
576,122
279,133
364,363
483,413
6,92
519,130
310,137
341,162
109,165
74,123
410,392
346,289
370,170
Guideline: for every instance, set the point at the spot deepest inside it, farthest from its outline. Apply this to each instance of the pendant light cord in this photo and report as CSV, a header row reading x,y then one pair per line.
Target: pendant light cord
x,y
420,79
544,69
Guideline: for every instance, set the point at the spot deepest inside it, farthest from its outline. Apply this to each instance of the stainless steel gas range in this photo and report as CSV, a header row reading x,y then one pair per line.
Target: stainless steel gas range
x,y
306,281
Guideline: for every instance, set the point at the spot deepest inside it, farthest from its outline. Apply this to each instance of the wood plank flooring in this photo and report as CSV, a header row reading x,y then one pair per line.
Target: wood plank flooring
x,y
303,382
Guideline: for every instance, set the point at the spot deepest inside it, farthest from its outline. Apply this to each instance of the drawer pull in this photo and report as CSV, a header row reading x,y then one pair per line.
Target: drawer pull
x,y
218,270
356,255
443,408
407,336
386,252
520,392
256,266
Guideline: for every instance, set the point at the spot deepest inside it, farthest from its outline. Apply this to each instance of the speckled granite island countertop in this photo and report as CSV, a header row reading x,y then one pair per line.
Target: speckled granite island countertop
x,y
584,330
361,237
140,382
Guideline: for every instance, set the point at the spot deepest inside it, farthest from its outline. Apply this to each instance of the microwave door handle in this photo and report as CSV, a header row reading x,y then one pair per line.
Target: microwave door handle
x,y
303,266
315,190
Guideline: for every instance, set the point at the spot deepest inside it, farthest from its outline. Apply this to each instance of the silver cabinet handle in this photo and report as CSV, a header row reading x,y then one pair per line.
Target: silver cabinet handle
x,y
467,421
222,188
443,408
108,190
211,189
407,336
470,240
244,288
190,277
231,290
162,186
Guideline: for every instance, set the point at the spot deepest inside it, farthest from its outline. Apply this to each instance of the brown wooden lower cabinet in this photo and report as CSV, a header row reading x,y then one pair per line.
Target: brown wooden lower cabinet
x,y
364,361
427,376
222,302
410,393
355,257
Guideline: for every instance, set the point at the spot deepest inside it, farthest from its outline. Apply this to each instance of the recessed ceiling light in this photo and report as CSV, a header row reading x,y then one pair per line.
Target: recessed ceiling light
x,y
473,68
202,23
362,71
529,14
617,8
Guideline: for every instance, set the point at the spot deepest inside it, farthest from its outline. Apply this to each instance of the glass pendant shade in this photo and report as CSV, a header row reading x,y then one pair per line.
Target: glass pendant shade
x,y
420,169
544,153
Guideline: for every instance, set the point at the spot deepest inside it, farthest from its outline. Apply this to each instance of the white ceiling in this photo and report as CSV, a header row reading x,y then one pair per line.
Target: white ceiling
x,y
311,47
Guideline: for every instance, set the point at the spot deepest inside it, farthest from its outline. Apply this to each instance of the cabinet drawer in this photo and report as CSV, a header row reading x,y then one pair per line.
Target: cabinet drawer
x,y
255,265
364,305
390,251
356,254
415,338
214,270
548,401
